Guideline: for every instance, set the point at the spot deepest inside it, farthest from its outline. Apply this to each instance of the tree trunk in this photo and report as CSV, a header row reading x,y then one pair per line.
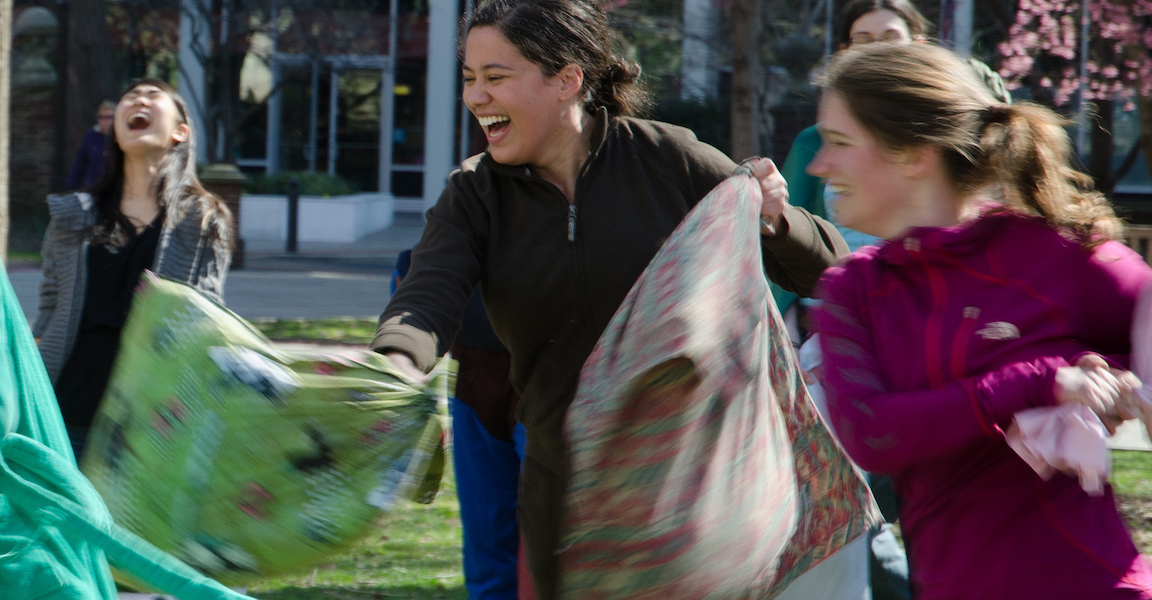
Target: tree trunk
x,y
1144,105
1100,161
226,81
5,113
89,68
222,85
697,74
746,78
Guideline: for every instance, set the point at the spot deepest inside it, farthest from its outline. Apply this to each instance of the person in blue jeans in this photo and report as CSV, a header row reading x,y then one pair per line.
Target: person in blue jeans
x,y
487,448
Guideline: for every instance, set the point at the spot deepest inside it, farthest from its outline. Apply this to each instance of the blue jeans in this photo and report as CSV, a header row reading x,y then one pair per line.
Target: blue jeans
x,y
487,476
889,563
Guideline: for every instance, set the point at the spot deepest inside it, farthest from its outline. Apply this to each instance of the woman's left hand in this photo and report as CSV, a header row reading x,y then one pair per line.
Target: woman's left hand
x,y
1135,401
1129,402
1115,395
775,194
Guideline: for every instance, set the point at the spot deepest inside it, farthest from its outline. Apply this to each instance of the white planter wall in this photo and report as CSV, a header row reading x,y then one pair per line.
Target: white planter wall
x,y
334,219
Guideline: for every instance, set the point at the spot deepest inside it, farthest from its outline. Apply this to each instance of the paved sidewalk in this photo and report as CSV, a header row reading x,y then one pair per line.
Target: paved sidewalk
x,y
318,281
1131,436
373,253
270,294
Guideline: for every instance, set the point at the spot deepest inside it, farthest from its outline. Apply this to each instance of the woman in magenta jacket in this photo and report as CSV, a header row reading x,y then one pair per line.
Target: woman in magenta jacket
x,y
999,283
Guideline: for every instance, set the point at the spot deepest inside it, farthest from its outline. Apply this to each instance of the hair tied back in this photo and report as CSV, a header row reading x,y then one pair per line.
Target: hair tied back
x,y
995,114
621,70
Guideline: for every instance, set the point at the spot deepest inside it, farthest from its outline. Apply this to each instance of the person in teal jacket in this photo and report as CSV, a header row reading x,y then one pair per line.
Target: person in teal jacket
x,y
58,536
859,22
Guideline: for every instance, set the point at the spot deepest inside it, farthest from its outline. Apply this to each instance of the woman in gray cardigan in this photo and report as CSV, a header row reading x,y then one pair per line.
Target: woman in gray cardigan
x,y
149,211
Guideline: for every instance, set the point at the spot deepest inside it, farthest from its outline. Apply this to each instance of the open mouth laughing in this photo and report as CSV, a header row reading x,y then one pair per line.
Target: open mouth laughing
x,y
138,120
493,125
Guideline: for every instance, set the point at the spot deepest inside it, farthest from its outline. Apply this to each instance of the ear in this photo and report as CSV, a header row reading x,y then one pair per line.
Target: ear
x,y
181,134
921,162
571,79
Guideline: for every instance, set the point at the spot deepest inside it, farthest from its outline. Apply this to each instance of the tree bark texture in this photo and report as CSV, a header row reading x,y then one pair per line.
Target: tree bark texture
x,y
5,116
225,86
1103,149
89,68
1144,106
746,78
1144,109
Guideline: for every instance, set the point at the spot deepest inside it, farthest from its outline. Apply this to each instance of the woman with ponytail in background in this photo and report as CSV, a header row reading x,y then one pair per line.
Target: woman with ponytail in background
x,y
1000,286
557,220
148,211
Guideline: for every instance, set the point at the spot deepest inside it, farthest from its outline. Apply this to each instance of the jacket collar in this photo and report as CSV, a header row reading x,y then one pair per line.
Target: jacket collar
x,y
965,239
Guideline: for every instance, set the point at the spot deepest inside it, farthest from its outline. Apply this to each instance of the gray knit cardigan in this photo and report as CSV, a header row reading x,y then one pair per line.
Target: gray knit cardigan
x,y
194,250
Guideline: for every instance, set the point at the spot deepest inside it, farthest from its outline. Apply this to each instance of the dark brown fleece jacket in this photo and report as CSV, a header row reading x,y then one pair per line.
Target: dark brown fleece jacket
x,y
554,274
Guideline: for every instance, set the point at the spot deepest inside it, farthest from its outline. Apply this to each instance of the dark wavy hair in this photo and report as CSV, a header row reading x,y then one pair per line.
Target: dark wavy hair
x,y
853,10
553,34
178,188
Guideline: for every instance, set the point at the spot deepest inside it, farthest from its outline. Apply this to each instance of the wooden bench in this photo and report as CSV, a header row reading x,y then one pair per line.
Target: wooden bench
x,y
1139,238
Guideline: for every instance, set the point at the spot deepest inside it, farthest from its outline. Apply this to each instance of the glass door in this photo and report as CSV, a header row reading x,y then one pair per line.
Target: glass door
x,y
333,115
355,125
303,131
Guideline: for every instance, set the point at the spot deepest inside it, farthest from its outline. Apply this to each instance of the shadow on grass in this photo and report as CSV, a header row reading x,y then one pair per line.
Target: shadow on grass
x,y
328,592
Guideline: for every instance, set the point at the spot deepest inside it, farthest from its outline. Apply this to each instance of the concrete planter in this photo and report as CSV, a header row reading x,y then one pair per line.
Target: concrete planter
x,y
335,219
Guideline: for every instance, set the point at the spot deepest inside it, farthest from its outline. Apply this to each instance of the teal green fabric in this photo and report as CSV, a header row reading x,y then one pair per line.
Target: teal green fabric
x,y
56,535
29,404
804,191
244,460
39,560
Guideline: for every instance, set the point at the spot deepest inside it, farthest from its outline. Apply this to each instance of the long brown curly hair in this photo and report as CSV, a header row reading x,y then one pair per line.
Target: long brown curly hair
x,y
919,95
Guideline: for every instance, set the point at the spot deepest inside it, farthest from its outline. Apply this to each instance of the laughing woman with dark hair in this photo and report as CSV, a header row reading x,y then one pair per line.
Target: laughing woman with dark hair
x,y
149,211
558,219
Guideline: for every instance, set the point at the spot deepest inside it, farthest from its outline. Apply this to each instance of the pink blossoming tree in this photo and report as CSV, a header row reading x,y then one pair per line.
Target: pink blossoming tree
x,y
1043,53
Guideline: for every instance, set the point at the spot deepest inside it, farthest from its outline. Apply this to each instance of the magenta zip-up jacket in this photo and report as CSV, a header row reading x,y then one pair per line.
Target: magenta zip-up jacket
x,y
931,343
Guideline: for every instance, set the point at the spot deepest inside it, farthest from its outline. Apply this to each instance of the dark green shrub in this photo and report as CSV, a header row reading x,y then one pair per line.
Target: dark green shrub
x,y
311,184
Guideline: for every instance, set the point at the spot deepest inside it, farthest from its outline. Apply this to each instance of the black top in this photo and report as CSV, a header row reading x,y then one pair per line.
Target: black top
x,y
113,274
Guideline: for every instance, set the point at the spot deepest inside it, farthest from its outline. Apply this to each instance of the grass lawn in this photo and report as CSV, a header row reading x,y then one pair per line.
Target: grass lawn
x,y
23,257
333,331
417,553
1132,483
